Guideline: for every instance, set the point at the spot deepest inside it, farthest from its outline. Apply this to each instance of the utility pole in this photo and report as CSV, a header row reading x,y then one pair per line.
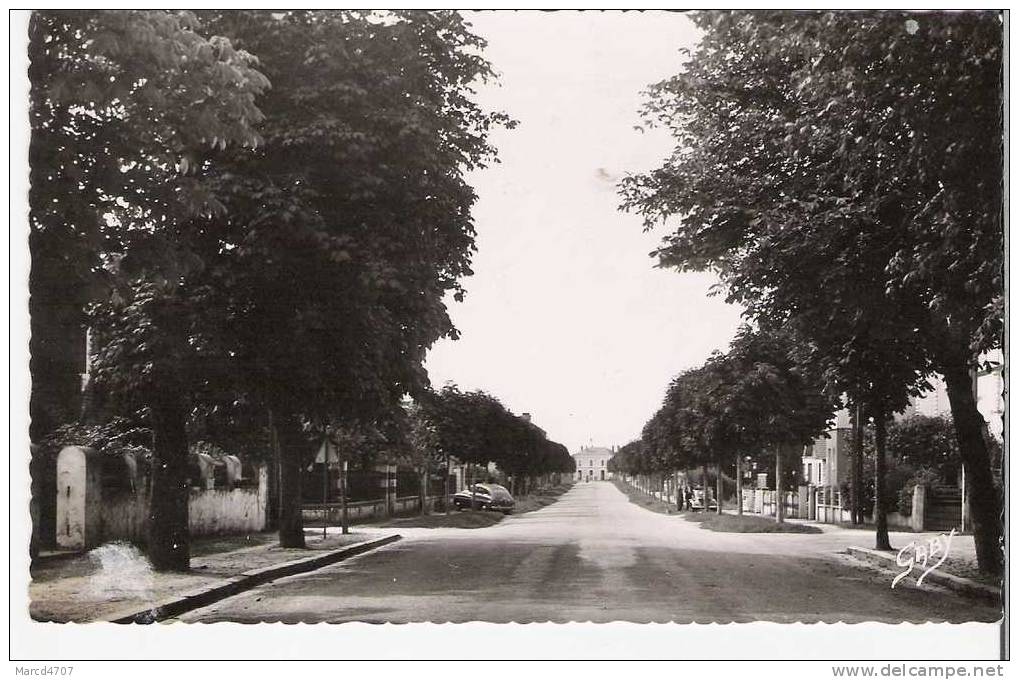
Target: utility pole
x,y
857,472
739,484
344,524
445,487
325,486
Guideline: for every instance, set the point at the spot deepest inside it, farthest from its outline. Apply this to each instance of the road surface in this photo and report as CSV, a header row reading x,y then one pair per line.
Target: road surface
x,y
594,556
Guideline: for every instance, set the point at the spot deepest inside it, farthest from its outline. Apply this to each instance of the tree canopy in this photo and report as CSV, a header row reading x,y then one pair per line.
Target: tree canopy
x,y
123,105
750,400
475,428
286,248
841,171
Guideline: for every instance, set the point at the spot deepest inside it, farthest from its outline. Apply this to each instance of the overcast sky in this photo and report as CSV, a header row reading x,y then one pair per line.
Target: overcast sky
x,y
566,317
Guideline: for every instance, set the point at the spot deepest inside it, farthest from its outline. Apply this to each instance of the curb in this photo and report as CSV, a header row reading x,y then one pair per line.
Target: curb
x,y
959,584
194,599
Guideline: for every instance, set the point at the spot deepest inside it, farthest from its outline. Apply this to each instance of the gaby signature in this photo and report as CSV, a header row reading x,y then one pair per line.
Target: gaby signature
x,y
921,553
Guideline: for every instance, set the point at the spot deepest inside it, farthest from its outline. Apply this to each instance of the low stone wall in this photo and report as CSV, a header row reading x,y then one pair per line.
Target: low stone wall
x,y
833,514
124,517
226,511
762,502
897,521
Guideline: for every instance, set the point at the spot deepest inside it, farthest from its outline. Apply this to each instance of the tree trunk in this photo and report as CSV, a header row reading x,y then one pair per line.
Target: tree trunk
x,y
880,511
474,494
779,505
272,506
739,485
344,519
325,488
704,487
856,493
445,489
719,490
983,498
424,489
292,445
169,538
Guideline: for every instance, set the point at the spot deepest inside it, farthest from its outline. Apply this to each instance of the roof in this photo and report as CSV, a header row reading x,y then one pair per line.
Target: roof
x,y
595,451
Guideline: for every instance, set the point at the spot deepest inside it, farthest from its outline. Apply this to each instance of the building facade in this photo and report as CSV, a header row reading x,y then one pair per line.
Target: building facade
x,y
988,388
592,463
826,462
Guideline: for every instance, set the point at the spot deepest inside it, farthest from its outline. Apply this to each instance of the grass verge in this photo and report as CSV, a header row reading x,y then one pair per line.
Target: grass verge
x,y
478,519
640,498
539,500
749,524
457,519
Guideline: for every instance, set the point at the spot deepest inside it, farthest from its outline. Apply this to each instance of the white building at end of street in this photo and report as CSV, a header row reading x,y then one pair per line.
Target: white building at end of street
x,y
592,463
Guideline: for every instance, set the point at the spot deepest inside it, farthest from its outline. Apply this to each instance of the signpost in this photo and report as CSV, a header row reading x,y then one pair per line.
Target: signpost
x,y
327,454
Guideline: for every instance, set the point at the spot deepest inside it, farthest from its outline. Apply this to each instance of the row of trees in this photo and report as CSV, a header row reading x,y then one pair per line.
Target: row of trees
x,y
476,429
842,172
259,215
753,402
439,430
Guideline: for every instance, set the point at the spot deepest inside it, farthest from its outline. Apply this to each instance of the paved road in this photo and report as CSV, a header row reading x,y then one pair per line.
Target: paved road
x,y
593,556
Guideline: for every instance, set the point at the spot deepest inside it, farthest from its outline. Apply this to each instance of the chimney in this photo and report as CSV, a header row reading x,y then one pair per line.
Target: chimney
x,y
526,417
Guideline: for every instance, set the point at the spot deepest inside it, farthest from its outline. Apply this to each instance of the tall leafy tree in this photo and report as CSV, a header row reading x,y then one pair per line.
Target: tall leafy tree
x,y
849,156
122,104
352,222
127,109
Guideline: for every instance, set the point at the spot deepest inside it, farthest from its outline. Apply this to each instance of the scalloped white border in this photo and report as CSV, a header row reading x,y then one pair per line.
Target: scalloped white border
x,y
32,640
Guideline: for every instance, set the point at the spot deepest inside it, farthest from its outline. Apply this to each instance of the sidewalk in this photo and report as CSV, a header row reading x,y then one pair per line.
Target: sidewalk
x,y
837,539
961,561
115,579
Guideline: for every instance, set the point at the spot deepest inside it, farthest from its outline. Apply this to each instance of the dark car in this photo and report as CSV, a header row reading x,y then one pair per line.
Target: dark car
x,y
486,497
697,501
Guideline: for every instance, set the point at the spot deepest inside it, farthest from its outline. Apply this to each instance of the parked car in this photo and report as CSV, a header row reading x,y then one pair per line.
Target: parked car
x,y
487,497
697,501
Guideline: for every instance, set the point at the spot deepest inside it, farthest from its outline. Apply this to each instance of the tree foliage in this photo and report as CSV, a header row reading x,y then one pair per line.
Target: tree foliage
x,y
925,441
286,249
123,106
750,400
475,428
